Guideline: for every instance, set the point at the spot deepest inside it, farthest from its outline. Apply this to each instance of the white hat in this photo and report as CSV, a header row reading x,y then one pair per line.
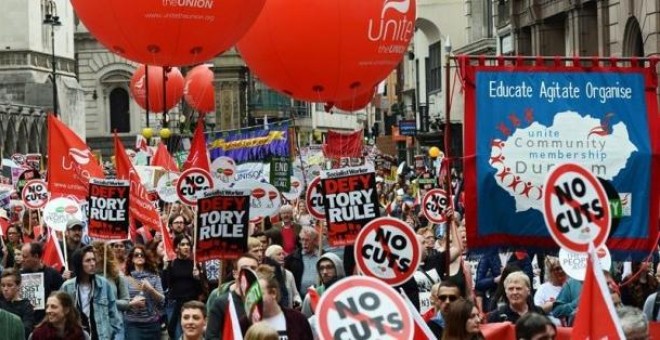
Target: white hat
x,y
400,192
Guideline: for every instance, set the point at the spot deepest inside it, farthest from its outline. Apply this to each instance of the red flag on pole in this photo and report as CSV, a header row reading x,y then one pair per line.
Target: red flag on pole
x,y
53,256
198,158
232,328
338,145
70,162
163,159
596,316
140,206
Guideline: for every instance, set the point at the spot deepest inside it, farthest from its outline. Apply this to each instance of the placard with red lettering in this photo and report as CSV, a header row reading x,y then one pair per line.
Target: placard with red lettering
x,y
434,205
192,185
350,202
222,224
576,208
361,307
387,249
35,194
314,198
108,209
265,199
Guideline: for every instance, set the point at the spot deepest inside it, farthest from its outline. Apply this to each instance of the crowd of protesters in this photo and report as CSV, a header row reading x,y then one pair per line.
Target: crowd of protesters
x,y
132,290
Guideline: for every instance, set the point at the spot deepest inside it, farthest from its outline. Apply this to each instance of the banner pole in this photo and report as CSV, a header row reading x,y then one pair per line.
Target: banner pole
x,y
194,237
66,257
105,260
447,141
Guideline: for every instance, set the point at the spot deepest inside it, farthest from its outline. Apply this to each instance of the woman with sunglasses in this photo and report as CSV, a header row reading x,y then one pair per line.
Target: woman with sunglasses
x,y
183,281
142,319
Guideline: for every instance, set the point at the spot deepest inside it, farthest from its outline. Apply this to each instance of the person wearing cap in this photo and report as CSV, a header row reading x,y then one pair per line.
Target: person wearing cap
x,y
73,233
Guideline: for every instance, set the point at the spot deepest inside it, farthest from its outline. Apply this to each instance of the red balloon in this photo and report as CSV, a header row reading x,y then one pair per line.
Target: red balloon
x,y
356,103
168,32
198,90
328,50
174,87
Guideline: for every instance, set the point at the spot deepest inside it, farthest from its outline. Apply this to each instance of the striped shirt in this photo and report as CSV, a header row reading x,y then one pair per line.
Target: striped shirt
x,y
152,310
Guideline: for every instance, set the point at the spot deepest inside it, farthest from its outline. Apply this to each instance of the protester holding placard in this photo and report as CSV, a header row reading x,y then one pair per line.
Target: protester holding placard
x,y
73,233
330,269
183,281
93,297
142,319
289,324
62,322
33,264
11,300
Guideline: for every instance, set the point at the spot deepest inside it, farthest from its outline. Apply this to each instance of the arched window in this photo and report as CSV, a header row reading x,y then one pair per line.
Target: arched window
x,y
120,112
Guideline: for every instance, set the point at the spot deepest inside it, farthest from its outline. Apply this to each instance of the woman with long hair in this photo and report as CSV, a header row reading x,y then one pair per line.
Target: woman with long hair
x,y
275,257
108,268
12,246
463,320
142,319
61,322
183,280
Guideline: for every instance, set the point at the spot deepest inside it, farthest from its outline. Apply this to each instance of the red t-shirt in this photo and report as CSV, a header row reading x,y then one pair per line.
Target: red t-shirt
x,y
288,239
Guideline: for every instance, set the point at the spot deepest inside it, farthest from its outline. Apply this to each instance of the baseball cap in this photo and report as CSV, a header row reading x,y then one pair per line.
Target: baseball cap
x,y
74,223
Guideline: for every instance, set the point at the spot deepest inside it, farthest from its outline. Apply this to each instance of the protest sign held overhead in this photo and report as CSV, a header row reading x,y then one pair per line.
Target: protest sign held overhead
x,y
435,204
265,199
58,211
223,169
360,307
166,187
24,178
295,189
192,185
575,264
350,202
314,199
108,209
280,173
576,208
387,249
222,224
35,194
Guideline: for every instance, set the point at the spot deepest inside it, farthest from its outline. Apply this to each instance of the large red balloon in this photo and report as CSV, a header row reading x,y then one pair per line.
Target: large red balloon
x,y
168,32
327,50
198,90
358,102
174,87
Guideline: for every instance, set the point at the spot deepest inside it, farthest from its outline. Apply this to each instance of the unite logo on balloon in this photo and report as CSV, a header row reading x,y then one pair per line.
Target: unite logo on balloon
x,y
396,29
208,4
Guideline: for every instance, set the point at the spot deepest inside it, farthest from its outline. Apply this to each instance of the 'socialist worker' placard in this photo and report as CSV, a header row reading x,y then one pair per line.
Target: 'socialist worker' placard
x,y
222,224
350,202
108,209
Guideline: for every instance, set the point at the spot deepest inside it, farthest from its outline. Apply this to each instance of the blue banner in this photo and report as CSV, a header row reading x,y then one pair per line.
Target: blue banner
x,y
523,123
250,145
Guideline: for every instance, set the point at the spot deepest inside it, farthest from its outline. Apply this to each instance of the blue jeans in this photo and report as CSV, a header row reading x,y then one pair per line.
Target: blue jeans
x,y
142,330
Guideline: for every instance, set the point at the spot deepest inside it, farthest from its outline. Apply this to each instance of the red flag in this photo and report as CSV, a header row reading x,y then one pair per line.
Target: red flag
x,y
596,317
141,144
422,330
198,158
140,206
70,162
52,255
163,159
338,145
232,328
313,298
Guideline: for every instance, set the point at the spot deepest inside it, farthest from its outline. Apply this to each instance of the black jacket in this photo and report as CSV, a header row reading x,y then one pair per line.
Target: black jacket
x,y
297,326
294,264
23,309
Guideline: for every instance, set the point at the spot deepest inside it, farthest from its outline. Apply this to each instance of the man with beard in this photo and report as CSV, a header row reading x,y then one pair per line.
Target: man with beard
x,y
32,263
331,270
73,233
285,232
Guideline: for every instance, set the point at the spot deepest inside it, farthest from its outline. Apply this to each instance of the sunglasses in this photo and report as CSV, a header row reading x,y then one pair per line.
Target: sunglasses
x,y
138,255
451,298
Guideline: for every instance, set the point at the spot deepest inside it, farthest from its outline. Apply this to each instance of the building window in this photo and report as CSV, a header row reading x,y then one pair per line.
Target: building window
x,y
434,77
120,113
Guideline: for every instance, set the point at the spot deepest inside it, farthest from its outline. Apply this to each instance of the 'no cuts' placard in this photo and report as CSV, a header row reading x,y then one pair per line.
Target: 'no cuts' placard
x,y
361,307
350,202
314,199
434,205
193,184
35,194
387,249
576,208
108,209
222,224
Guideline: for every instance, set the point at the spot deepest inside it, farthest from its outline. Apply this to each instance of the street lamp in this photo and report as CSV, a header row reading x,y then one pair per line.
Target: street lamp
x,y
53,20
